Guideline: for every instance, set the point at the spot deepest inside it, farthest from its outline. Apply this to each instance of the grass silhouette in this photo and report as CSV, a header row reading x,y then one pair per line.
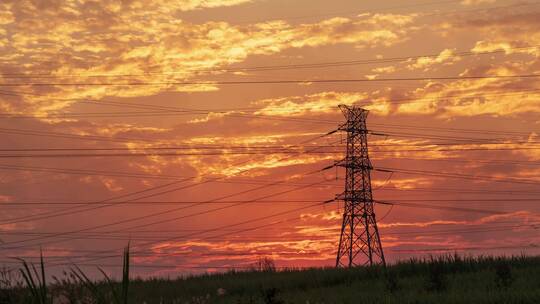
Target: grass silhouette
x,y
444,279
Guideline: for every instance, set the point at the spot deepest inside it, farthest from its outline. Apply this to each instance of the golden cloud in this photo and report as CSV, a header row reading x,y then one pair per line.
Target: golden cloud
x,y
144,43
325,102
476,2
446,57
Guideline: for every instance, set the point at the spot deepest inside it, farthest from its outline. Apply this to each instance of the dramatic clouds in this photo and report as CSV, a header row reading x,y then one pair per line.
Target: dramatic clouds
x,y
95,42
182,101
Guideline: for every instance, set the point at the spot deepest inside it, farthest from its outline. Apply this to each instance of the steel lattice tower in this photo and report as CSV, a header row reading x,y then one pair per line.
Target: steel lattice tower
x,y
359,242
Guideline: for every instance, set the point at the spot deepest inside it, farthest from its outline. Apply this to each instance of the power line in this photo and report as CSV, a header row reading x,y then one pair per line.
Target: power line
x,y
135,154
232,225
437,232
181,202
282,147
533,226
167,212
175,111
448,208
453,129
283,239
164,192
294,219
186,147
464,190
436,136
73,210
326,64
176,154
297,81
34,203
468,160
460,176
529,246
87,172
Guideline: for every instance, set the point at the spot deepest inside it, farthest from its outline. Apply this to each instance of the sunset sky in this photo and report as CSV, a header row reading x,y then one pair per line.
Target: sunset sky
x,y
197,129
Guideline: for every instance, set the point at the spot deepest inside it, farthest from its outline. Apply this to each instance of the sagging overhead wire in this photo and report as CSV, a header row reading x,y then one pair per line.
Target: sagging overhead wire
x,y
277,81
171,210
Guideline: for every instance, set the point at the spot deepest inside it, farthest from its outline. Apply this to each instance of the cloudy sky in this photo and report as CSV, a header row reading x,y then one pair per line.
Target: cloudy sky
x,y
196,128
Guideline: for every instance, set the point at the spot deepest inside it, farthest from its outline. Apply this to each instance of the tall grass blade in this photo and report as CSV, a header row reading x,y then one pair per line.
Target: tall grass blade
x,y
43,282
110,282
29,280
37,285
89,284
125,275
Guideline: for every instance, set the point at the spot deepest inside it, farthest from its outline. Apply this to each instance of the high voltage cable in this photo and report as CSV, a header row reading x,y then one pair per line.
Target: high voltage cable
x,y
124,139
470,228
457,150
163,110
196,254
468,160
163,113
252,153
319,238
183,202
274,239
451,129
255,82
284,239
101,204
475,210
71,136
413,100
277,67
191,254
401,204
235,225
283,147
433,136
173,111
100,257
23,203
528,246
168,109
349,12
460,176
292,239
466,231
276,148
175,189
465,190
253,228
439,207
166,212
186,147
82,137
73,210
176,266
169,154
128,174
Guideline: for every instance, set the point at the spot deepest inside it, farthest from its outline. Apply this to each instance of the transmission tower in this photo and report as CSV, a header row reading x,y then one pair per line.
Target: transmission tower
x,y
359,242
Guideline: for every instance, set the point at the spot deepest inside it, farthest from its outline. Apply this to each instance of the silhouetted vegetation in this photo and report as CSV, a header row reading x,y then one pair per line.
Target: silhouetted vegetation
x,y
449,279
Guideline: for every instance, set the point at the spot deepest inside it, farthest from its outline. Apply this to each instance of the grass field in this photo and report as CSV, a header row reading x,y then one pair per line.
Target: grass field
x,y
450,279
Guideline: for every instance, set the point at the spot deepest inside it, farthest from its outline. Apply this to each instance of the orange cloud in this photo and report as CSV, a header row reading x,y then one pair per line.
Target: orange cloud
x,y
156,49
325,102
476,2
446,57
